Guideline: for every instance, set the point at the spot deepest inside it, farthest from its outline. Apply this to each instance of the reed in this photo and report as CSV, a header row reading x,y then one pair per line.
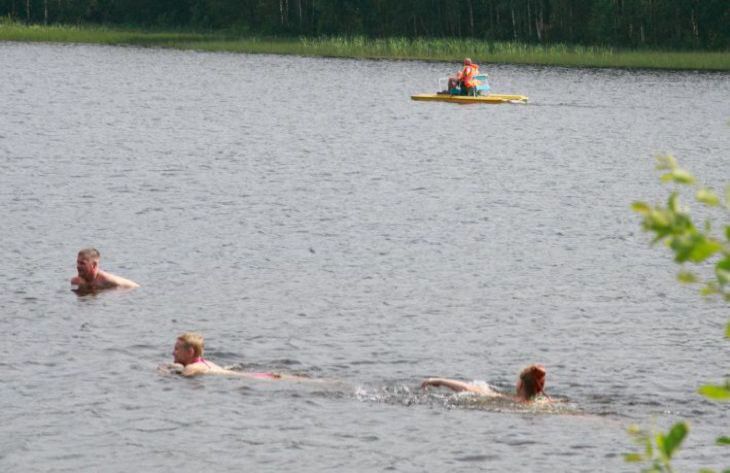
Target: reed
x,y
448,49
94,35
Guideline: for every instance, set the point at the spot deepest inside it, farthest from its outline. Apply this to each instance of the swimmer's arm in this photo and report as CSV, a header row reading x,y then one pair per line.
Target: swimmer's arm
x,y
119,281
241,374
192,370
452,384
78,281
257,376
169,368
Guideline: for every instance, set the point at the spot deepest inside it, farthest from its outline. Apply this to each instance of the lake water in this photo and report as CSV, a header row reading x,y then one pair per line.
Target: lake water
x,y
306,216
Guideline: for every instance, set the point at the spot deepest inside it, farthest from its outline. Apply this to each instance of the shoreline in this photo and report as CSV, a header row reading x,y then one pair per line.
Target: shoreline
x,y
428,50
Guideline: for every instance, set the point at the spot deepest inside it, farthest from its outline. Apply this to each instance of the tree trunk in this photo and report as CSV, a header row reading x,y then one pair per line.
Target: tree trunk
x,y
539,25
514,24
471,18
491,20
678,25
27,11
45,12
570,22
695,26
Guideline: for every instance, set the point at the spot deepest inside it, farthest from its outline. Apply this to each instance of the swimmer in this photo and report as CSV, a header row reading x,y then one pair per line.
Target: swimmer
x,y
530,384
189,361
91,278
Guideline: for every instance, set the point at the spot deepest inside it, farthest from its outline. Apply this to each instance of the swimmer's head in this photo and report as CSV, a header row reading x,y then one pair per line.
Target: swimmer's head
x,y
188,347
87,263
467,61
531,382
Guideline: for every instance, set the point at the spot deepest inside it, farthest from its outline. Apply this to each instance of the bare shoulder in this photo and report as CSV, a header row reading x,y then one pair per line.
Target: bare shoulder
x,y
206,367
195,369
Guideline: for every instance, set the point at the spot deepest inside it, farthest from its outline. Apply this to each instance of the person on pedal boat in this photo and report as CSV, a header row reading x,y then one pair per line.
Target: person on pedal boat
x,y
465,79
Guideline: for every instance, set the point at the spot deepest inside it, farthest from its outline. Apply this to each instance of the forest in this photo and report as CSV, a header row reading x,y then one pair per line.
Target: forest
x,y
655,24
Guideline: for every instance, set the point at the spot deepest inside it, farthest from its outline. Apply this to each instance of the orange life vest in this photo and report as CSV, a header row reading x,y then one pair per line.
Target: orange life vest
x,y
468,74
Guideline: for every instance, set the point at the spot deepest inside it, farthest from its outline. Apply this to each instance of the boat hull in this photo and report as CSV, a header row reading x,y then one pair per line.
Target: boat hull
x,y
491,98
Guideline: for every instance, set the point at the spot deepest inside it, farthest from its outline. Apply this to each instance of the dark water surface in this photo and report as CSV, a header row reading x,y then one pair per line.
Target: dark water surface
x,y
307,216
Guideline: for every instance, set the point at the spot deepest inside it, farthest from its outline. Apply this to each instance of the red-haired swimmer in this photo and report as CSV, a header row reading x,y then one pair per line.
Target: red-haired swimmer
x,y
530,386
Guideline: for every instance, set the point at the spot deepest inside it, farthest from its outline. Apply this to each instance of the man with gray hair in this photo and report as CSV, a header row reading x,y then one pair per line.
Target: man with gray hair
x,y
91,278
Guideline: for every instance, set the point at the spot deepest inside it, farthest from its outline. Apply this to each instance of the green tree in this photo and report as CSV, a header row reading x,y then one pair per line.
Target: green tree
x,y
691,24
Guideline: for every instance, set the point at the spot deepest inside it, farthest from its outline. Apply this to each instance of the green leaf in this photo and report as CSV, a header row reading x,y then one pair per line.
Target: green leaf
x,y
666,162
648,447
688,245
707,197
724,440
706,470
634,430
642,208
673,202
666,177
660,441
715,392
727,330
727,230
680,176
703,250
723,275
686,277
709,289
657,219
724,263
673,439
633,457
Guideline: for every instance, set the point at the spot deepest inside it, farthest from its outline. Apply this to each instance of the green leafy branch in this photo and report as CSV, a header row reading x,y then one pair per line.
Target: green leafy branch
x,y
673,226
659,457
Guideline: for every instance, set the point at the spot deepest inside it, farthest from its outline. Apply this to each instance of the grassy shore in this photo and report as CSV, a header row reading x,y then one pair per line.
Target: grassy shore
x,y
452,50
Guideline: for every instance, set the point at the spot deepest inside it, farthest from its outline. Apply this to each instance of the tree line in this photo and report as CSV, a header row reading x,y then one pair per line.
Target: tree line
x,y
671,24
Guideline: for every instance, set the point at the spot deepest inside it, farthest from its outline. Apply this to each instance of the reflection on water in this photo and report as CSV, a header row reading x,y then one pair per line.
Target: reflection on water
x,y
344,232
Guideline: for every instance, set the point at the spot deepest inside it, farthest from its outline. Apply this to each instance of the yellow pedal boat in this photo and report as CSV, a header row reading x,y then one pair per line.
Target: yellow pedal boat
x,y
490,98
